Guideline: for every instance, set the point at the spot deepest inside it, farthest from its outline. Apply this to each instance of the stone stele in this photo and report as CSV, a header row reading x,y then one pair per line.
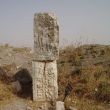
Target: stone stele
x,y
46,51
46,37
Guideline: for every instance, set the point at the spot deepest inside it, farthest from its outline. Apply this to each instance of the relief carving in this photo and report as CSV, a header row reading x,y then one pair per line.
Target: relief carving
x,y
46,37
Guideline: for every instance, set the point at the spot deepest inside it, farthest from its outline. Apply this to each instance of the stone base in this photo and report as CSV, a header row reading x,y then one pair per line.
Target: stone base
x,y
45,86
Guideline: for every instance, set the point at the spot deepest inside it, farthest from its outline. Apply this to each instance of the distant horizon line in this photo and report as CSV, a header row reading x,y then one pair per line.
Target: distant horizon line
x,y
60,46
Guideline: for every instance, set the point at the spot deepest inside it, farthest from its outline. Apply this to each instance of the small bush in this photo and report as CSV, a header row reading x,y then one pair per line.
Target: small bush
x,y
103,92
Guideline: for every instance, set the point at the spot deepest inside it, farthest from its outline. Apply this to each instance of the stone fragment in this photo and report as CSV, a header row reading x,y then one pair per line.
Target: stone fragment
x,y
72,108
60,105
46,37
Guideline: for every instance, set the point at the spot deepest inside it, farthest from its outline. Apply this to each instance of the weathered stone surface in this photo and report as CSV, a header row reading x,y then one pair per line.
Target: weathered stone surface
x,y
60,105
46,37
45,86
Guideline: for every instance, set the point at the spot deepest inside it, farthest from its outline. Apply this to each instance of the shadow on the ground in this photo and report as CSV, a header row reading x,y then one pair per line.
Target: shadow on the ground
x,y
25,80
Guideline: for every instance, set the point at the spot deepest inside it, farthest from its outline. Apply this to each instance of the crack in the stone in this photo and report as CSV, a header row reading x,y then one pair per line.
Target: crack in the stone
x,y
45,77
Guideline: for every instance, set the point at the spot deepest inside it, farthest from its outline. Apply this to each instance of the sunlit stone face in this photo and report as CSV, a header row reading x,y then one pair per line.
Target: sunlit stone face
x,y
45,86
46,52
46,37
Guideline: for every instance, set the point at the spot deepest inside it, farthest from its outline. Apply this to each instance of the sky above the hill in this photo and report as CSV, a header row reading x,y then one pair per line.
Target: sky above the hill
x,y
86,21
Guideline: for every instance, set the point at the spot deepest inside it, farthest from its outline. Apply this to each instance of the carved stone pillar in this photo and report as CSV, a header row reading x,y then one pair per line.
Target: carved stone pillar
x,y
46,53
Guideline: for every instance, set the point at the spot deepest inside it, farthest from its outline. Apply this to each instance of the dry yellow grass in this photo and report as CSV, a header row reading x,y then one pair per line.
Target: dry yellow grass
x,y
6,93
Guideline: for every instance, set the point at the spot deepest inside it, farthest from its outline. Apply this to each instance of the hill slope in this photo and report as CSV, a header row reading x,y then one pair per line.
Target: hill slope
x,y
85,68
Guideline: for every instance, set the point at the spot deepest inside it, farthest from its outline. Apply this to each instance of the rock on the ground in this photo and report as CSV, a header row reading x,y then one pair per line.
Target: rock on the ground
x,y
71,108
60,105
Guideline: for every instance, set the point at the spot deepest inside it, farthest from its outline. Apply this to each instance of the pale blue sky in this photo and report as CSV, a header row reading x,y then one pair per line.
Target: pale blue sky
x,y
85,19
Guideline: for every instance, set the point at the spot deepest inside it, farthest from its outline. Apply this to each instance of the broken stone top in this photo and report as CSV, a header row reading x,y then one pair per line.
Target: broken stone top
x,y
46,37
52,15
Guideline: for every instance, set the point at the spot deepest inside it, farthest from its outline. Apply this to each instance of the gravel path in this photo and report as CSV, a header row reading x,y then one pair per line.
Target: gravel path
x,y
15,105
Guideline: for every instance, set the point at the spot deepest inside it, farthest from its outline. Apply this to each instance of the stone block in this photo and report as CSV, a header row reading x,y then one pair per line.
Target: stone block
x,y
45,86
46,37
60,105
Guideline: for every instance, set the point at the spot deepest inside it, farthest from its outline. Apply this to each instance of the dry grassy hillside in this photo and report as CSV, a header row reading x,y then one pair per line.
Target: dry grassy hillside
x,y
86,68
